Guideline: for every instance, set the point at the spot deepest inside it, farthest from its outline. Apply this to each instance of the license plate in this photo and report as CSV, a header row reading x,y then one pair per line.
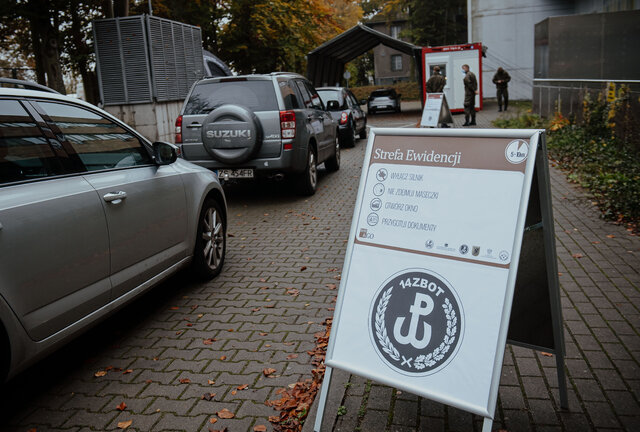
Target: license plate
x,y
235,173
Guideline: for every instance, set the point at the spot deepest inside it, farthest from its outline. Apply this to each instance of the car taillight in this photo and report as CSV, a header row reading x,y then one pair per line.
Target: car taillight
x,y
288,127
344,117
179,130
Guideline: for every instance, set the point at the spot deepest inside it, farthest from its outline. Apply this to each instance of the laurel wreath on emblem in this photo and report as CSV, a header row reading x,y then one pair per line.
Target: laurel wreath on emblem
x,y
425,360
381,328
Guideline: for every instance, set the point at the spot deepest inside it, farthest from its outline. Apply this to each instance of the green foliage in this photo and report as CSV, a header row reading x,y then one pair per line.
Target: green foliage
x,y
593,157
342,410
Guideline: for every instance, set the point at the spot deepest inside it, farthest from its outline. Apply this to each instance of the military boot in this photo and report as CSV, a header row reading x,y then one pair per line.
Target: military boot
x,y
466,120
500,108
473,120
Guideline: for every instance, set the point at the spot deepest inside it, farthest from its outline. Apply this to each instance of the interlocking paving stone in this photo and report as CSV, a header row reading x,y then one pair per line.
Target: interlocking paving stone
x,y
274,234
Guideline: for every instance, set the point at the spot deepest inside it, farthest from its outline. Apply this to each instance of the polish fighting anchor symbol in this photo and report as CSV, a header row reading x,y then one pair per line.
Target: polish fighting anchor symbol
x,y
422,306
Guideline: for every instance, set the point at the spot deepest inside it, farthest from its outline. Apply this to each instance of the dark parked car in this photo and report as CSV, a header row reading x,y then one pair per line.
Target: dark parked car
x,y
383,100
351,119
91,216
250,126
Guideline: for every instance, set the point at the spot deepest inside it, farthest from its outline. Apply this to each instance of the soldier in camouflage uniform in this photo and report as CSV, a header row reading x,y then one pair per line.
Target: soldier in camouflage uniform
x,y
436,82
501,80
470,92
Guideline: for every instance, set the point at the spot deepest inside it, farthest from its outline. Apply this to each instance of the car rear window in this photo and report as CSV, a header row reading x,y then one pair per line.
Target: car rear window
x,y
255,95
382,93
327,95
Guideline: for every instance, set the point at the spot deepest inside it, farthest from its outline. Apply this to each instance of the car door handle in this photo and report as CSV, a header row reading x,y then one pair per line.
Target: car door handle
x,y
115,197
194,125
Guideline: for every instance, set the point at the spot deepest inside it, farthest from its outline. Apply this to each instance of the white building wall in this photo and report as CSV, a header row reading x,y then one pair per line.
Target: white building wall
x,y
507,29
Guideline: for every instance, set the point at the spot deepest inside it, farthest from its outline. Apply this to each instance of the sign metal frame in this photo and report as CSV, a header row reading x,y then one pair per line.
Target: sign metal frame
x,y
540,176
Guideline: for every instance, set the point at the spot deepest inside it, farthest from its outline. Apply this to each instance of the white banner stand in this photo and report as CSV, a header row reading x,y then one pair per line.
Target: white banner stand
x,y
432,263
436,111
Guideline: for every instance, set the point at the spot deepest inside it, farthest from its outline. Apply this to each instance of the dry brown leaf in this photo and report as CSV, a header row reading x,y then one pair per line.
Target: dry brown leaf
x,y
225,414
212,420
263,334
207,341
223,358
577,255
224,429
243,386
211,382
234,392
100,373
546,354
292,356
207,396
331,286
185,380
148,381
128,371
259,428
124,424
610,236
174,308
268,371
255,309
303,268
122,406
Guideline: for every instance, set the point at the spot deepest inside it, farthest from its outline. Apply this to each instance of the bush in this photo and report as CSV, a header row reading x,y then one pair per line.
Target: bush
x,y
409,90
593,156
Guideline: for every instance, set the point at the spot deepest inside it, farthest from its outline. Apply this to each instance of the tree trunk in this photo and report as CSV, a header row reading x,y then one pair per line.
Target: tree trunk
x,y
121,8
51,58
107,7
37,51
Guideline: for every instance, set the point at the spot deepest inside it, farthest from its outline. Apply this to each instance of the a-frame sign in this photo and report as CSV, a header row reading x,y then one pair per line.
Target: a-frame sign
x,y
451,255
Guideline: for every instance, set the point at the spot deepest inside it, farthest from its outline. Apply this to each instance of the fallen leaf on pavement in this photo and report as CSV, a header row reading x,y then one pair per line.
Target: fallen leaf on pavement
x,y
610,236
128,371
225,414
100,373
263,334
243,386
224,429
234,392
260,428
207,396
546,354
207,341
124,424
577,255
211,382
174,308
185,380
223,358
292,356
303,268
212,420
122,406
331,286
268,371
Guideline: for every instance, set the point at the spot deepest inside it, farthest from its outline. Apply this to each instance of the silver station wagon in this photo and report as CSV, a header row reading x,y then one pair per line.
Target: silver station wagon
x,y
91,215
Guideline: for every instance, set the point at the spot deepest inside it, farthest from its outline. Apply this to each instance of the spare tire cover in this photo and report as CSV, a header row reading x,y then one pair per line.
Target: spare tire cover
x,y
231,134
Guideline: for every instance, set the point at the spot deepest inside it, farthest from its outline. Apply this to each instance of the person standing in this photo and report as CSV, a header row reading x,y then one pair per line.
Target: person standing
x,y
470,92
436,83
501,80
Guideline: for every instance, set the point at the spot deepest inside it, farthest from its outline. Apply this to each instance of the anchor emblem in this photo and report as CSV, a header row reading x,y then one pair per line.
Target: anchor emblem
x,y
422,306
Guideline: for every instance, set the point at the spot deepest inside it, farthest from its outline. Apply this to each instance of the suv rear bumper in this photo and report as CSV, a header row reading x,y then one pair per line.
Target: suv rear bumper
x,y
290,161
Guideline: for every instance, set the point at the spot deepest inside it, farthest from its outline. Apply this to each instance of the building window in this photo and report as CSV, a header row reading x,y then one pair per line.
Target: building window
x,y
396,62
395,31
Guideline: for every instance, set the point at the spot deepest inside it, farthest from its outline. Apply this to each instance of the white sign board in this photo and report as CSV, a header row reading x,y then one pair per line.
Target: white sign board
x,y
431,262
436,110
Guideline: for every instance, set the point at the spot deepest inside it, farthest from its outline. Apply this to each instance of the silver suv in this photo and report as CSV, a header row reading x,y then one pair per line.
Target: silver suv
x,y
252,126
91,216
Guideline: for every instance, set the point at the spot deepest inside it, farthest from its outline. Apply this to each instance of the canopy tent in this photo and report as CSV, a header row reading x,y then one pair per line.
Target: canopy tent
x,y
325,64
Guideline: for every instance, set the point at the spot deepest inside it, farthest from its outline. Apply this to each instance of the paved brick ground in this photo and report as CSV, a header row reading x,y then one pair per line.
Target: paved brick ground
x,y
257,321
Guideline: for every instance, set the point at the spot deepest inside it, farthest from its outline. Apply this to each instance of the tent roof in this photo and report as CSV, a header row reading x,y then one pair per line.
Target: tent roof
x,y
325,64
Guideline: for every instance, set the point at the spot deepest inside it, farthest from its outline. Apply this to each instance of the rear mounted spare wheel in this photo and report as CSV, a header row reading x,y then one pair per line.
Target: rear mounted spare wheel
x,y
231,134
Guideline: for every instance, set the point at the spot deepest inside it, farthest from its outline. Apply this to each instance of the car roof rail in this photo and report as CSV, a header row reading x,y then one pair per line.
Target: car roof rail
x,y
27,85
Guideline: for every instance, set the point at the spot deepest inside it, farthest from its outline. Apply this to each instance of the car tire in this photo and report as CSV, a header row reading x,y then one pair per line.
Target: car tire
x,y
333,163
211,241
351,136
308,180
363,132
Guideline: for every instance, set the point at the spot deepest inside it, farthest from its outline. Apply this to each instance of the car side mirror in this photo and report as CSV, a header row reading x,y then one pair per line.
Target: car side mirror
x,y
164,153
333,105
362,101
